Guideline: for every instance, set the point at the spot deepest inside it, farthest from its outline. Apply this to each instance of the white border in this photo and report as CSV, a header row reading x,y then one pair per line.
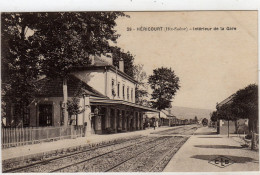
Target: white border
x,y
133,5
126,5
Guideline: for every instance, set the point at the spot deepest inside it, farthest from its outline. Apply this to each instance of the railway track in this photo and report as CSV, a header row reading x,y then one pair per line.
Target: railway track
x,y
136,154
64,162
166,131
158,167
86,165
150,158
44,162
177,131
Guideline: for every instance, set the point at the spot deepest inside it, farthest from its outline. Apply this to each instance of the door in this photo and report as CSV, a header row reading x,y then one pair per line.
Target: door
x,y
103,119
123,121
45,115
112,119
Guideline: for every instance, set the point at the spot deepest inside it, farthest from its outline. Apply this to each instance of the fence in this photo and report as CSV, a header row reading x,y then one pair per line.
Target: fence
x,y
12,137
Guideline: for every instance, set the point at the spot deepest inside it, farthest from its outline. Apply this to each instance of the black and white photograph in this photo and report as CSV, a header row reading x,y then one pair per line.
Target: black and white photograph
x,y
129,91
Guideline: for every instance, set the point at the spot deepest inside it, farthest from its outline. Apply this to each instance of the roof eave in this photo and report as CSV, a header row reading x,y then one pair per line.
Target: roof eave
x,y
120,102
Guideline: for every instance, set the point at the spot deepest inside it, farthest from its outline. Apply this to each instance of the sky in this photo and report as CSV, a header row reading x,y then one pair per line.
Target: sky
x,y
211,65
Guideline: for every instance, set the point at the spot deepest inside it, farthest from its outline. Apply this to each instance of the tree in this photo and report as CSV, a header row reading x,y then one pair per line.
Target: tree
x,y
58,42
225,112
19,64
245,105
127,57
164,84
141,90
214,116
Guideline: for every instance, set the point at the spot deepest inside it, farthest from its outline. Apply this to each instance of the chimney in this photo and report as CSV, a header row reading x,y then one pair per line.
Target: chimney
x,y
107,58
92,59
121,65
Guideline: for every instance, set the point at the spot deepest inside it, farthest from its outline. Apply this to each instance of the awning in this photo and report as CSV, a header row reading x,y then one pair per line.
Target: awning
x,y
102,101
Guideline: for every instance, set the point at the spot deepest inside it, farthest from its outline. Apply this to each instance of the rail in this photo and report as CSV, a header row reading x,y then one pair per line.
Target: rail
x,y
20,168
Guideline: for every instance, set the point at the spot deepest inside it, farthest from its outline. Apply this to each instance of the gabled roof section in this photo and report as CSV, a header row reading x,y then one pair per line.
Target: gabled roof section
x,y
54,88
226,101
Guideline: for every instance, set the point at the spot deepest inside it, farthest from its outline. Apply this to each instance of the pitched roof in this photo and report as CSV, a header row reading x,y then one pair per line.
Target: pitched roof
x,y
54,88
102,62
226,101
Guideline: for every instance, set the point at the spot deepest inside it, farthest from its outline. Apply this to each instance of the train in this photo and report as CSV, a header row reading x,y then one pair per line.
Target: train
x,y
169,121
176,122
205,122
149,122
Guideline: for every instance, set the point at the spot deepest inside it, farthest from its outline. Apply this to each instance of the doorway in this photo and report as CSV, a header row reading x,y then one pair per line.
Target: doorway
x,y
45,115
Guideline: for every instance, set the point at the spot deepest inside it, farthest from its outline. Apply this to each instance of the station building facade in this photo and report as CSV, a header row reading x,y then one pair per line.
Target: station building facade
x,y
105,94
240,126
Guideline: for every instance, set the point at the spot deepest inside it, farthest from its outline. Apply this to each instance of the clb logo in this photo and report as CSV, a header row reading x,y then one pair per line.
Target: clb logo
x,y
221,162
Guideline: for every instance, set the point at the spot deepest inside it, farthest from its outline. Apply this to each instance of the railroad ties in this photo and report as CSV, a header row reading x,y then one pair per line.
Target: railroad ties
x,y
134,154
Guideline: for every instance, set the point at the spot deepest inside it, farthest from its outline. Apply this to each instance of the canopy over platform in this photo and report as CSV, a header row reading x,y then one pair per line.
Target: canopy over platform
x,y
103,101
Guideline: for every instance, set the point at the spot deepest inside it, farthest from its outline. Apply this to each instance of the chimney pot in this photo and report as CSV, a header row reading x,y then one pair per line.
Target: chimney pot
x,y
121,65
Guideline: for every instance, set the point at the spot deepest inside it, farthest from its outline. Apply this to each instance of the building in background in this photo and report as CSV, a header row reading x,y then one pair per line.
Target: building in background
x,y
225,127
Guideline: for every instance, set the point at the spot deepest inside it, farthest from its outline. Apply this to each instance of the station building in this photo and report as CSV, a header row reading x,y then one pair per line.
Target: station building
x,y
240,126
106,98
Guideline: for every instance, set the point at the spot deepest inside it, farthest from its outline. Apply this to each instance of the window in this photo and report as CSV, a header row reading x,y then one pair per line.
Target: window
x,y
112,88
123,91
127,93
45,115
132,94
118,89
26,117
20,115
